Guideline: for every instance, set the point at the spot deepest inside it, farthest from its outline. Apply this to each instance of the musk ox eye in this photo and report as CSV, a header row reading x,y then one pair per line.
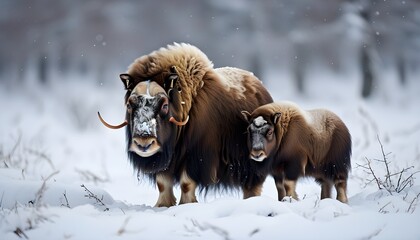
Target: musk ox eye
x,y
164,109
129,107
270,132
130,103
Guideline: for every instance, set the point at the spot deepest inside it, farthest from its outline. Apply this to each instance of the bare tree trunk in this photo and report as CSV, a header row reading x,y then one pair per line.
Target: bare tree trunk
x,y
43,69
401,70
366,58
64,62
367,72
256,66
299,70
21,68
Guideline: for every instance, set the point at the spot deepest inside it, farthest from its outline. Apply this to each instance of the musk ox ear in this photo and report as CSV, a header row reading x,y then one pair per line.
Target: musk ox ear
x,y
276,117
127,81
246,115
171,81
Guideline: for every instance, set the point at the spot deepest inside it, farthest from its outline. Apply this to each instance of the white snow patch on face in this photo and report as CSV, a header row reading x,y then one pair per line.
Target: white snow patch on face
x,y
259,121
147,127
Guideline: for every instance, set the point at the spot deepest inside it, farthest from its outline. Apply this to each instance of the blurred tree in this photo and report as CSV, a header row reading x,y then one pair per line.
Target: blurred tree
x,y
102,38
43,69
299,66
401,69
367,71
366,58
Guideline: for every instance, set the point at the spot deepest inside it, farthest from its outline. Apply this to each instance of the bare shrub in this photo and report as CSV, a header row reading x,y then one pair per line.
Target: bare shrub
x,y
88,175
8,159
37,202
33,214
392,182
25,158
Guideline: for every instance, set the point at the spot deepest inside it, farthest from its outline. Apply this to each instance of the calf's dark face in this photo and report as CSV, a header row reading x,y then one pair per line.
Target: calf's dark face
x,y
261,136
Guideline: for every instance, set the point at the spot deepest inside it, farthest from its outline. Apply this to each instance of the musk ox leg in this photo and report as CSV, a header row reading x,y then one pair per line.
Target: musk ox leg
x,y
290,187
281,191
188,187
341,187
326,186
252,191
285,187
165,185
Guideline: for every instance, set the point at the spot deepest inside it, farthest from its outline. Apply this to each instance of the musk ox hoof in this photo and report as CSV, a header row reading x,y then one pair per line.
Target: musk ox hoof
x,y
166,200
169,203
188,201
289,199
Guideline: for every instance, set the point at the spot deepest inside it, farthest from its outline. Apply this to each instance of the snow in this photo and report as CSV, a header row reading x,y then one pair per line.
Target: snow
x,y
259,121
51,143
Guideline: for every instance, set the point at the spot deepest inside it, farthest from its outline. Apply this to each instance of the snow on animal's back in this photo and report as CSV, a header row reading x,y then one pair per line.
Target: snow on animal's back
x,y
294,109
323,120
319,120
233,79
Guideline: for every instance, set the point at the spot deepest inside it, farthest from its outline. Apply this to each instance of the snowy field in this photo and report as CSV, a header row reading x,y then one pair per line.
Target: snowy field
x,y
65,176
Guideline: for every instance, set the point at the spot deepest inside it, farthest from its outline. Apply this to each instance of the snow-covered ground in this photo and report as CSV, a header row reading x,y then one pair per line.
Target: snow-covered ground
x,y
51,143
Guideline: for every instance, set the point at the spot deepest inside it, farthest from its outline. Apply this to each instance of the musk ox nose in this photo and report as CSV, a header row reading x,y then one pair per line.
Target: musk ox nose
x,y
143,143
258,155
145,134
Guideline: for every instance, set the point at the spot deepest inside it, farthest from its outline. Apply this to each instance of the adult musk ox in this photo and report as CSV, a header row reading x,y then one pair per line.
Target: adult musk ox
x,y
289,142
184,123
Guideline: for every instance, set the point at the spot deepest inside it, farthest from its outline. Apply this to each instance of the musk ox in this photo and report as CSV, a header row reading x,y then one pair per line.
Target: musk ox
x,y
289,142
184,123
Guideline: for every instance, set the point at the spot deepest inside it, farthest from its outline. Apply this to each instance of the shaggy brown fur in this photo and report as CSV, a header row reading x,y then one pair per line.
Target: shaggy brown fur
x,y
305,143
211,149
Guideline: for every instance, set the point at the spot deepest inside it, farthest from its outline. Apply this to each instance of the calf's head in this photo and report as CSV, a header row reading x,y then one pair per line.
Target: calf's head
x,y
262,139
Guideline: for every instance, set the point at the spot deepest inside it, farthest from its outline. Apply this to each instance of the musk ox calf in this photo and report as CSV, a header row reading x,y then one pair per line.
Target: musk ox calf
x,y
184,123
289,142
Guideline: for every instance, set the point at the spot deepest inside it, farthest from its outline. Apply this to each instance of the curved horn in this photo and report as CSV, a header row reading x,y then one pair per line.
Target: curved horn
x,y
173,120
112,126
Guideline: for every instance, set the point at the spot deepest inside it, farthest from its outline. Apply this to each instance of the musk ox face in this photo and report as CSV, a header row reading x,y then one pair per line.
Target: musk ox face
x,y
261,135
147,115
151,120
150,134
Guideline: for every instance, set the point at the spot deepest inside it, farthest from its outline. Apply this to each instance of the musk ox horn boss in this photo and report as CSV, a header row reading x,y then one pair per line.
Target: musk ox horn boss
x,y
184,125
292,142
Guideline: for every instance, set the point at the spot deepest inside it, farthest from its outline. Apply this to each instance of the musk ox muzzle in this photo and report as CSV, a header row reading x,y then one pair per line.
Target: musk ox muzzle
x,y
257,151
145,141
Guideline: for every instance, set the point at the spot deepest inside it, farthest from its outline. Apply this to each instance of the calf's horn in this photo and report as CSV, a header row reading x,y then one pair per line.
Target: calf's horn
x,y
173,120
112,126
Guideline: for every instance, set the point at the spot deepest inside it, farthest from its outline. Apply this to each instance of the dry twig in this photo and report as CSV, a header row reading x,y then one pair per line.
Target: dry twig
x,y
412,206
20,233
67,201
40,193
91,195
